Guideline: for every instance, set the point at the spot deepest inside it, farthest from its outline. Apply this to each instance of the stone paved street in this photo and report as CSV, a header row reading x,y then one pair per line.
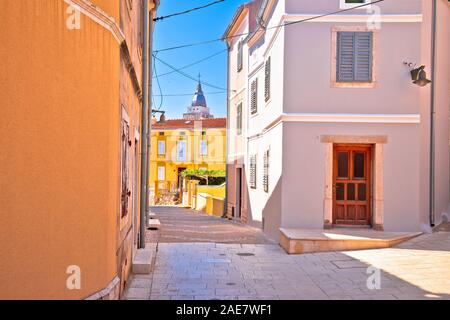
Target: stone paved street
x,y
417,269
186,225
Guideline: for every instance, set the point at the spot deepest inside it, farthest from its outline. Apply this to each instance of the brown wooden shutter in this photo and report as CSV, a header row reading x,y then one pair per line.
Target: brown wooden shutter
x,y
267,80
253,172
125,188
240,57
266,171
254,97
239,119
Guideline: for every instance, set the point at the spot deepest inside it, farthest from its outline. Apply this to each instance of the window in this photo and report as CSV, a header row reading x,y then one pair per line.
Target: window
x,y
267,80
161,147
253,172
203,148
254,97
239,119
125,193
266,171
161,173
240,57
181,150
354,57
348,4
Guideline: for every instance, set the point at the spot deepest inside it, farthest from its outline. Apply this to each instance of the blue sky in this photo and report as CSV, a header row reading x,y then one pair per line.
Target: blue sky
x,y
206,24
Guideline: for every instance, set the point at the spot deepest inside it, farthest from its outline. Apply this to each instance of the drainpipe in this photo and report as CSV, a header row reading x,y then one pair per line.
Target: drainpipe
x,y
433,114
225,205
144,129
150,107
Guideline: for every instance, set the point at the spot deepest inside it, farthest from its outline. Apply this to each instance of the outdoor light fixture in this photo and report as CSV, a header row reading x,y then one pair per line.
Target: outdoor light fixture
x,y
418,75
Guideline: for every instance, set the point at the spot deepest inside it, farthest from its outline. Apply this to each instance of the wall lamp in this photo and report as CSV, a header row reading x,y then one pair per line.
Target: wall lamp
x,y
418,75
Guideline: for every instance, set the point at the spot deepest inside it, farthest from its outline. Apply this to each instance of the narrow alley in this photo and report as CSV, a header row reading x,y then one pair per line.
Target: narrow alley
x,y
198,257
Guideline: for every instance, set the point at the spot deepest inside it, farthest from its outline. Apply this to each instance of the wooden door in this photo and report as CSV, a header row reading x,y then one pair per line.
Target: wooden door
x,y
352,185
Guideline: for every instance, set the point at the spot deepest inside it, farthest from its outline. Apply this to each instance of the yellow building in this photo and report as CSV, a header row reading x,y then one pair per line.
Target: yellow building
x,y
71,118
198,141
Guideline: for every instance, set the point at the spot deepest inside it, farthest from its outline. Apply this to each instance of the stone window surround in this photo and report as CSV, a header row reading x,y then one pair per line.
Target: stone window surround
x,y
337,84
344,5
377,179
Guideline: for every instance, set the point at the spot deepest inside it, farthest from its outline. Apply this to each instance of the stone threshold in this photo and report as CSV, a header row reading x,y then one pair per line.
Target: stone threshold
x,y
298,240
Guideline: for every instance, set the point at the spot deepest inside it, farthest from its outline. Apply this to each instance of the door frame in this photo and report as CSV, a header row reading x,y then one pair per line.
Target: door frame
x,y
369,171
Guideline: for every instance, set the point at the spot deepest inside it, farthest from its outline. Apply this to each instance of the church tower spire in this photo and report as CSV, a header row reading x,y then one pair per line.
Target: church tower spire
x,y
198,108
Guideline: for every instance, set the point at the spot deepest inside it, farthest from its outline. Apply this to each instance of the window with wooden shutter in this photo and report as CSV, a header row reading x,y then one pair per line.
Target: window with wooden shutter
x,y
240,57
239,119
125,192
266,171
267,80
254,97
253,172
354,57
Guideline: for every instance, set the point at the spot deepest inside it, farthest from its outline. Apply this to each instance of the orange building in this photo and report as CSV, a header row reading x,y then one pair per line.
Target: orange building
x,y
71,119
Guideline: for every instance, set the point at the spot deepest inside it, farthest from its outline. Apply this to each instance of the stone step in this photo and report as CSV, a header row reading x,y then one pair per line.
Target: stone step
x,y
296,240
142,262
154,223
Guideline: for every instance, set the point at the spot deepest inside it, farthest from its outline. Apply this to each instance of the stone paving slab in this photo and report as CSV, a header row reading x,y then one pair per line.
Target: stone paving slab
x,y
186,225
416,269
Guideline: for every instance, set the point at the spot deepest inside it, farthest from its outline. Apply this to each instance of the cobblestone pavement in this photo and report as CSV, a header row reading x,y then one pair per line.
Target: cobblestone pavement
x,y
417,269
186,225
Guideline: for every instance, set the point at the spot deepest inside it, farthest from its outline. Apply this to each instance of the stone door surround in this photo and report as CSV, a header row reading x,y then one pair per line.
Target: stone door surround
x,y
377,175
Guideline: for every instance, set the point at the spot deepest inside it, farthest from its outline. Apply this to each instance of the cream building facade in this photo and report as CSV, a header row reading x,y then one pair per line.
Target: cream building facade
x,y
336,133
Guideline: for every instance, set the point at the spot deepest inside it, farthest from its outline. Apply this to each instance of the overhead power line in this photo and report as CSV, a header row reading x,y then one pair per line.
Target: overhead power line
x,y
267,28
194,63
189,94
159,85
188,11
187,75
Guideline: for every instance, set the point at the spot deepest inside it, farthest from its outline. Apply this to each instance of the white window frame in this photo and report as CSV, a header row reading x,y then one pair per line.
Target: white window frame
x,y
161,145
344,5
179,144
161,173
203,148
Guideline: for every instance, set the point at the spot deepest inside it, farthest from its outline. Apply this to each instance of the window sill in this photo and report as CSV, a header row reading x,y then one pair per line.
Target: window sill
x,y
362,85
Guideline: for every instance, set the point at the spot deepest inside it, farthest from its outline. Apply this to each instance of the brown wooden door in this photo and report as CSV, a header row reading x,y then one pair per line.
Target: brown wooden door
x,y
352,185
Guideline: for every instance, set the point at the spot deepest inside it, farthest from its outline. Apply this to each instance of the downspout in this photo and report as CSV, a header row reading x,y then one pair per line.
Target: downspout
x,y
144,129
149,119
432,115
225,205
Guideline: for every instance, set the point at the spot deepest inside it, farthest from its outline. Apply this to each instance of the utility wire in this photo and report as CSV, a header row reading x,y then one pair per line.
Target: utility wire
x,y
193,63
188,11
187,75
267,28
189,94
159,85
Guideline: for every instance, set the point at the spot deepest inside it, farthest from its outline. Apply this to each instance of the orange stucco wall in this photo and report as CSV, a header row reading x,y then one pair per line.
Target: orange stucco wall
x,y
111,7
59,164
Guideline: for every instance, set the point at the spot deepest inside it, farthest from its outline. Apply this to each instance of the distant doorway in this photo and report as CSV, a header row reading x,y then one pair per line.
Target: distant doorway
x,y
180,180
238,209
352,185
